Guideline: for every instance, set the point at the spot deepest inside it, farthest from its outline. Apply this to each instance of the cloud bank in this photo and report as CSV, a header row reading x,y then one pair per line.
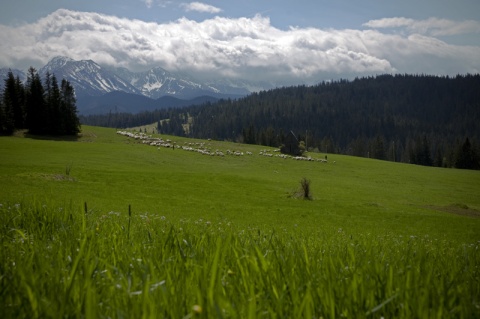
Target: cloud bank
x,y
432,26
247,48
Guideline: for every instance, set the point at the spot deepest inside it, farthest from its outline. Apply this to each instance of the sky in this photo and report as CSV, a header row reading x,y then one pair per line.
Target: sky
x,y
289,42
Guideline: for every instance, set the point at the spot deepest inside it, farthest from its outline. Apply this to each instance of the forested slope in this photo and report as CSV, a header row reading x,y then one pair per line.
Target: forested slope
x,y
410,118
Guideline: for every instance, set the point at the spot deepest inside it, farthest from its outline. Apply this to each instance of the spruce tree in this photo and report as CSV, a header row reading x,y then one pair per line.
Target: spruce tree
x,y
466,156
8,99
425,152
69,117
19,106
420,153
378,148
57,125
49,118
35,104
14,100
2,119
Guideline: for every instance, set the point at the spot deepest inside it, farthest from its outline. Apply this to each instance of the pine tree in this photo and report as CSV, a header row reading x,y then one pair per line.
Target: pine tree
x,y
54,108
249,135
378,148
2,119
69,117
420,153
19,106
14,100
466,156
8,99
48,101
438,161
426,152
35,104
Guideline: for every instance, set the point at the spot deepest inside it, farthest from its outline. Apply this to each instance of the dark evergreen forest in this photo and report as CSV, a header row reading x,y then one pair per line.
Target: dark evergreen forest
x,y
419,119
42,108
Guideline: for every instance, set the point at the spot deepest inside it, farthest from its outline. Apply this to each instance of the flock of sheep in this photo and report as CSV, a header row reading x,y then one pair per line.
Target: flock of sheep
x,y
200,147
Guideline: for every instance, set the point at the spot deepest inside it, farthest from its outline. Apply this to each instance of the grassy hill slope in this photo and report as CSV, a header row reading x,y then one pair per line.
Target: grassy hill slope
x,y
212,236
110,172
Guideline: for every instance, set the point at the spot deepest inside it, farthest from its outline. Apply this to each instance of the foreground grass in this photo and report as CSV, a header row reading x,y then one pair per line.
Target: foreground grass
x,y
223,237
67,263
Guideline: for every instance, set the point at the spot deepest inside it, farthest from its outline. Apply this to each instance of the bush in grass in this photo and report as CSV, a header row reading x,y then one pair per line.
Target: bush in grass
x,y
305,189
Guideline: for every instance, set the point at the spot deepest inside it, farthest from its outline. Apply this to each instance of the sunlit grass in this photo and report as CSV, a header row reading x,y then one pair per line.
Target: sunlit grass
x,y
60,262
224,237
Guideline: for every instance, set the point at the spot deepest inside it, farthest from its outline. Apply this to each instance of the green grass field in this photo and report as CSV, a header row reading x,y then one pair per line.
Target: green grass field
x,y
212,236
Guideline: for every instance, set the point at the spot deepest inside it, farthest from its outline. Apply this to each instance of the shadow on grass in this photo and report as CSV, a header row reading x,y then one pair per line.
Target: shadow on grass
x,y
67,138
458,209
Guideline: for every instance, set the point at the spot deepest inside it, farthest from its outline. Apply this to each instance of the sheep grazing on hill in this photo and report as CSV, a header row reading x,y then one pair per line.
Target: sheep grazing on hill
x,y
199,147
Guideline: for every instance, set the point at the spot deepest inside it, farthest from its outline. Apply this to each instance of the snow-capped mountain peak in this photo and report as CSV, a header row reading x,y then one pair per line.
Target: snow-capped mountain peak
x,y
57,62
92,81
87,77
158,82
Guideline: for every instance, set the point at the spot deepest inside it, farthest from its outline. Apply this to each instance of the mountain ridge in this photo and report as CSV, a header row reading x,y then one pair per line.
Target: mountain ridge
x,y
123,102
93,81
87,77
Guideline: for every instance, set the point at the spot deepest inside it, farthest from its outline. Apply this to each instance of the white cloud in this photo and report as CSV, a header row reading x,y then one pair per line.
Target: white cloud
x,y
200,7
159,3
148,3
431,26
249,48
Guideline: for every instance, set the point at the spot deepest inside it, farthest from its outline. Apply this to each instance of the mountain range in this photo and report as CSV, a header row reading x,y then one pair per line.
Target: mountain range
x,y
107,89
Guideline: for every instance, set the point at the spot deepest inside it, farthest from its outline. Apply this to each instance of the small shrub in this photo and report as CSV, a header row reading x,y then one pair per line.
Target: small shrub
x,y
306,191
303,192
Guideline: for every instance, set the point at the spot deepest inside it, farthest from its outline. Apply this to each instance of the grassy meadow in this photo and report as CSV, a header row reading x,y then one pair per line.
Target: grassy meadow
x,y
212,236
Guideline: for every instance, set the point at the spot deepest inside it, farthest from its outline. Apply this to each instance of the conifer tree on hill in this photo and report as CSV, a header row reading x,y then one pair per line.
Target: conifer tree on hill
x,y
467,157
7,116
13,113
48,110
19,108
13,101
2,118
68,110
35,104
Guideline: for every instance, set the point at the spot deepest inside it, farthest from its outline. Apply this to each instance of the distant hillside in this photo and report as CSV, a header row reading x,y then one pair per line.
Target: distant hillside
x,y
121,102
411,118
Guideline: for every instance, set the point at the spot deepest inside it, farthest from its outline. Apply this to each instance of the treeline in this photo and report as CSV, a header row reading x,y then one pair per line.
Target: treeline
x,y
417,119
42,108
